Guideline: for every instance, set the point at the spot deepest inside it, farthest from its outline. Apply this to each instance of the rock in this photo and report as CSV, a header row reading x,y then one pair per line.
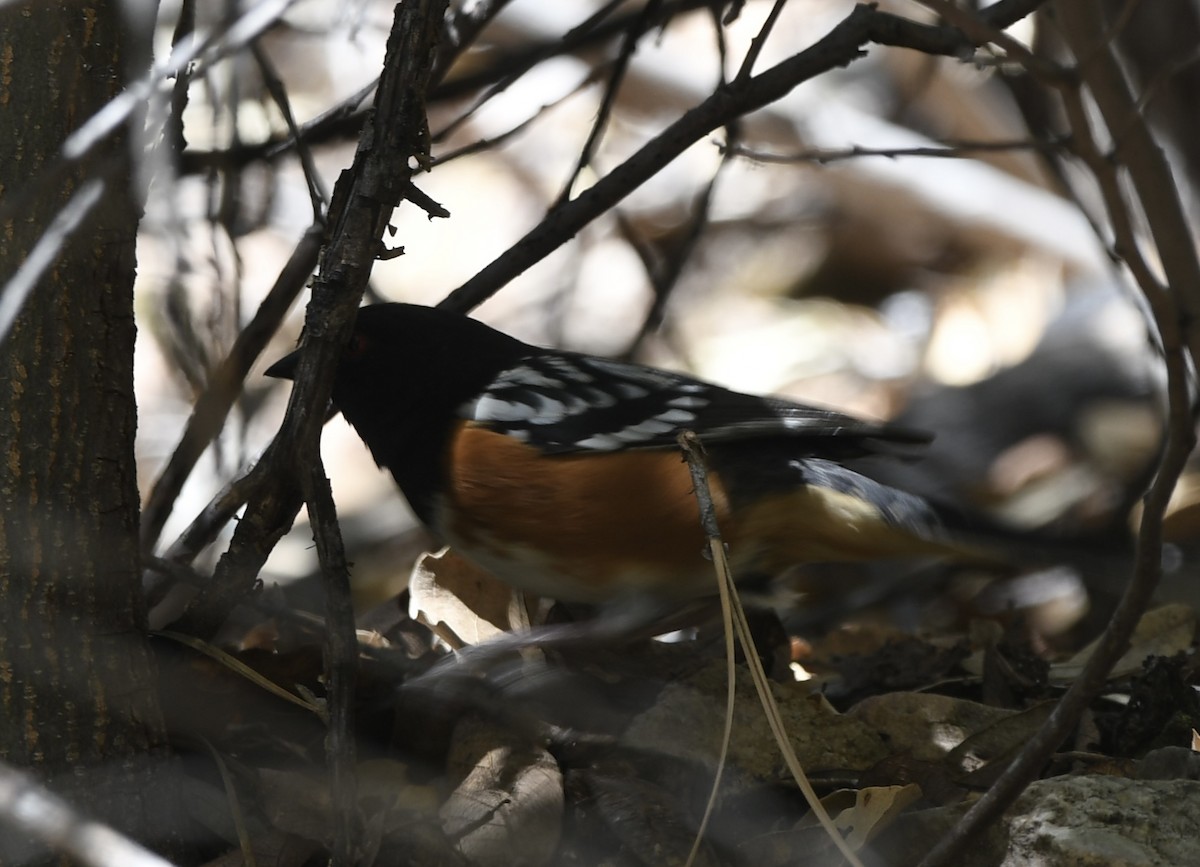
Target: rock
x,y
1084,821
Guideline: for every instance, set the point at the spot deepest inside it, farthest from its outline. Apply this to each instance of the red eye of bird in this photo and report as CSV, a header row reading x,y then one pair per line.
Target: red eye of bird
x,y
356,348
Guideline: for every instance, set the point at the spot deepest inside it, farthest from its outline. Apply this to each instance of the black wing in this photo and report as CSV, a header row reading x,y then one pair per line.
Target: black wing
x,y
563,402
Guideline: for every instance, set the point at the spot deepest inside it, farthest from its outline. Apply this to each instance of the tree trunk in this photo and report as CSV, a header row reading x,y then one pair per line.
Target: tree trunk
x,y
76,687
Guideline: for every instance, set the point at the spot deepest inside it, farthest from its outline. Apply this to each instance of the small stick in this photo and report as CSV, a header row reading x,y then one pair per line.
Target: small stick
x,y
693,451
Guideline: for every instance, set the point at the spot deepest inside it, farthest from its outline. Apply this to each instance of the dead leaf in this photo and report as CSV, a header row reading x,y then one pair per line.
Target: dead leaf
x,y
938,786
650,821
507,809
385,781
1164,631
687,722
925,725
990,746
460,602
860,814
874,809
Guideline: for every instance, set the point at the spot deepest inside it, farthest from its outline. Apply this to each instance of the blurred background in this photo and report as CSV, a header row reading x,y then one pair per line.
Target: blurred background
x,y
904,238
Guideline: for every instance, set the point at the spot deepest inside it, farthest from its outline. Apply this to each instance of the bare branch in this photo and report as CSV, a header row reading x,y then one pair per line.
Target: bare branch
x,y
760,40
199,51
340,658
841,46
1172,306
290,471
950,150
619,67
274,85
225,384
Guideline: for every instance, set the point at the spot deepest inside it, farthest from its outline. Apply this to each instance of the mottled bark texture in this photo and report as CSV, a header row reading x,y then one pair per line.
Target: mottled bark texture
x,y
77,704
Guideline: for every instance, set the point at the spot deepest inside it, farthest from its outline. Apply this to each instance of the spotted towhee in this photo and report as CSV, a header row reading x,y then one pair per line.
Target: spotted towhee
x,y
560,473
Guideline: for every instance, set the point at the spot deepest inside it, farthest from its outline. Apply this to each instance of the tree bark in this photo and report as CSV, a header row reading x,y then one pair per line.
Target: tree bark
x,y
76,687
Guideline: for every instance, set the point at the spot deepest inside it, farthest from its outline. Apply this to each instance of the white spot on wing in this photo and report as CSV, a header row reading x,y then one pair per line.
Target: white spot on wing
x,y
574,403
688,402
528,377
601,442
644,430
489,408
547,410
676,416
598,399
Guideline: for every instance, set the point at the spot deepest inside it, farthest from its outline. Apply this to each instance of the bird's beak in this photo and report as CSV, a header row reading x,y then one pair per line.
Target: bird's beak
x,y
285,368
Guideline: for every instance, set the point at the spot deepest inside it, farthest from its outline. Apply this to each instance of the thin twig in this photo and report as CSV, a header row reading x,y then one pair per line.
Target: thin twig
x,y
722,45
490,92
1154,183
212,407
597,29
759,41
44,254
693,451
274,84
201,52
341,120
219,511
463,27
486,144
340,657
345,119
841,45
173,133
982,31
1159,83
1157,195
947,150
617,75
245,843
364,198
241,669
665,275
29,808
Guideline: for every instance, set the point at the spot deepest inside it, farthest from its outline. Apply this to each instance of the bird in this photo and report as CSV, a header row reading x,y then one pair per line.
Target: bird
x,y
560,472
